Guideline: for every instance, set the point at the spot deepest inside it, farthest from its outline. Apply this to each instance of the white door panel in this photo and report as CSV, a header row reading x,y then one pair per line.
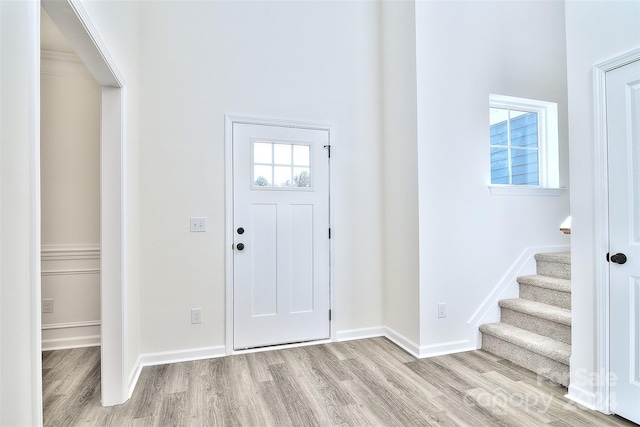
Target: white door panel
x,y
281,259
623,128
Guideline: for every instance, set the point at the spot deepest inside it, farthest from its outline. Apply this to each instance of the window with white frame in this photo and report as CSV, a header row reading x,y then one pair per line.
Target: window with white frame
x,y
523,142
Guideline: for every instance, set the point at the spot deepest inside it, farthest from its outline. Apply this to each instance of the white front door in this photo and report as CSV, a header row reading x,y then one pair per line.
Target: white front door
x,y
623,127
281,235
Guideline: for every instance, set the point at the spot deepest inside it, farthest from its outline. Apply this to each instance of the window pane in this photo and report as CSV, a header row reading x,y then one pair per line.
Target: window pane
x,y
262,152
262,176
524,167
499,134
499,166
301,177
524,130
281,165
282,154
301,155
282,176
498,115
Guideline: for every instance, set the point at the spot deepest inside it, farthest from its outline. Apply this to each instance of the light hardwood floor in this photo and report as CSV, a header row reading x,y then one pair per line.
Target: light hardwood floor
x,y
366,382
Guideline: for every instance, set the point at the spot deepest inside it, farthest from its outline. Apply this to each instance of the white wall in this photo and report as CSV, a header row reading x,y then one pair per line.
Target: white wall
x,y
70,152
70,201
596,31
20,362
311,61
469,238
400,170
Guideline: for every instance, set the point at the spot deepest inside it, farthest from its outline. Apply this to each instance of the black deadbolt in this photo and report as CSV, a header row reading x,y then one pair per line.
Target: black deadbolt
x,y
240,230
240,246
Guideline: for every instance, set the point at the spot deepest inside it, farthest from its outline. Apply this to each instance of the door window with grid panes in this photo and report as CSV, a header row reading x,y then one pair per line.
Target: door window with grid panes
x,y
279,165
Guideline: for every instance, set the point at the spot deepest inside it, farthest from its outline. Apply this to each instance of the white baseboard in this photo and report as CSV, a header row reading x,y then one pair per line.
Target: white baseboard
x,y
164,357
406,344
61,336
134,375
446,348
582,397
70,342
403,342
358,334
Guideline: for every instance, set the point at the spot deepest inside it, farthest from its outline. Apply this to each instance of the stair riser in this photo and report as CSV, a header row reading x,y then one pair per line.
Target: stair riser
x,y
553,269
546,296
544,327
542,366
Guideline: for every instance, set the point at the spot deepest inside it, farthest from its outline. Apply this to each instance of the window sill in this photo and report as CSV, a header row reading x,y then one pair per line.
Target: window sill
x,y
522,190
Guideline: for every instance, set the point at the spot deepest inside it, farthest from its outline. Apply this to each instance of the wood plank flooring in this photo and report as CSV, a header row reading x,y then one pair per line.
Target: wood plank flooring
x,y
368,382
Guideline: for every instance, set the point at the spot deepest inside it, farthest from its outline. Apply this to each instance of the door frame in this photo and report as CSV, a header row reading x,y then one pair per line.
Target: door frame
x,y
230,120
74,23
603,392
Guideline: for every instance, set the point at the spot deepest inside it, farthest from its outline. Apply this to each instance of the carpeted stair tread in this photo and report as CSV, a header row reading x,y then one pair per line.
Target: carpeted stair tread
x,y
538,309
547,347
554,283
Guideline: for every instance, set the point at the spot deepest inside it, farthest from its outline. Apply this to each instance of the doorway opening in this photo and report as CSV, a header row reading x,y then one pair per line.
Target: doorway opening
x,y
74,24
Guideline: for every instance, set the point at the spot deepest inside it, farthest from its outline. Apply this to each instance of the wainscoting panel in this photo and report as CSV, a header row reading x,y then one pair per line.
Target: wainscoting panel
x,y
71,278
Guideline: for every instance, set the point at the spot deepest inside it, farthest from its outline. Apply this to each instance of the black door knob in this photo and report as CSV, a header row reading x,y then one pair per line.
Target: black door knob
x,y
240,230
240,246
619,258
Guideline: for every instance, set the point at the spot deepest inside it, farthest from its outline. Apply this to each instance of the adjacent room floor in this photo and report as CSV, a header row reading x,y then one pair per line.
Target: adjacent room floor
x,y
365,382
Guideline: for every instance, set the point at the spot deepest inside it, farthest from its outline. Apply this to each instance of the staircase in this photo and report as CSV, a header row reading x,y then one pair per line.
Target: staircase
x,y
535,329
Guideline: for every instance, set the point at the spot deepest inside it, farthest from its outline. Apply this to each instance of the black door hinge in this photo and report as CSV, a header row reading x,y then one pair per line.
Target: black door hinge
x,y
328,147
329,232
329,315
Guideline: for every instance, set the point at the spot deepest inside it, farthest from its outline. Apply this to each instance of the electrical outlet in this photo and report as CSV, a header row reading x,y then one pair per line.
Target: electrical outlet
x,y
442,310
198,224
196,315
47,305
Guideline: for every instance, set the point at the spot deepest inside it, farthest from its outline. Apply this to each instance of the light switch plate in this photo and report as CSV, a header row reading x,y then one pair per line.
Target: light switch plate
x,y
198,224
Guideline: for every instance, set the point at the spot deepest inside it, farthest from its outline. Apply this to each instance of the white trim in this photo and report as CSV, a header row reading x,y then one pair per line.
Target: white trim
x,y
83,324
507,287
76,341
60,56
583,397
70,252
74,23
71,342
228,179
403,342
69,272
36,217
524,190
362,333
164,357
134,375
230,120
450,347
601,214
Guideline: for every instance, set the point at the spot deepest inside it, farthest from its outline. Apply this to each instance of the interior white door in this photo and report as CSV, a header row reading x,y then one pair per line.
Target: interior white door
x,y
623,127
281,235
